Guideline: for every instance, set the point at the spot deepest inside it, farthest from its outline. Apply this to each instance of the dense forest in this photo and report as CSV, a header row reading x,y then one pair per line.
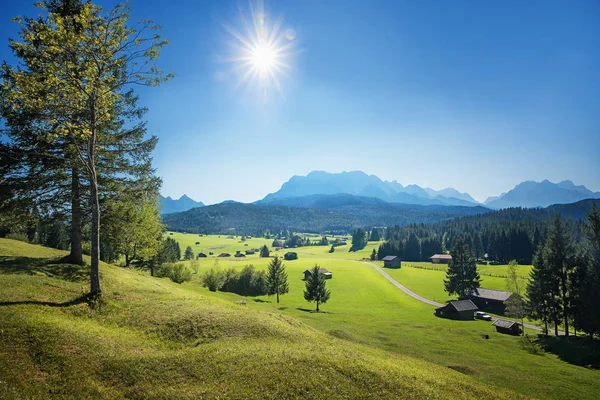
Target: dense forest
x,y
252,219
510,234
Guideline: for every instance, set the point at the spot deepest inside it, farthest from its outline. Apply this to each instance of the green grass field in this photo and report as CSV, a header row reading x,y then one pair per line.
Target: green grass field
x,y
157,339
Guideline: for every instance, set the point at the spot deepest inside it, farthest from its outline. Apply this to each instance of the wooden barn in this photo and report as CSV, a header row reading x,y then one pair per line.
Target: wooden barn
x,y
323,271
508,327
291,255
457,309
201,255
440,258
224,255
489,300
252,251
391,262
239,254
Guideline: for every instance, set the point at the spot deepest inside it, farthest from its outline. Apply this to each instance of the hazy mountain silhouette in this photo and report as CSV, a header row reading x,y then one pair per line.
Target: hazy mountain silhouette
x,y
541,194
184,203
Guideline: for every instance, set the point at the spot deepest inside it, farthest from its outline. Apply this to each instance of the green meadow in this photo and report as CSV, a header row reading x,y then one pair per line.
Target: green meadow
x,y
156,339
365,308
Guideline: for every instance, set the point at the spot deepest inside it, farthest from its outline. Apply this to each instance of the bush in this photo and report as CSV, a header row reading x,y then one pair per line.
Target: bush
x,y
164,270
180,273
194,264
18,236
214,279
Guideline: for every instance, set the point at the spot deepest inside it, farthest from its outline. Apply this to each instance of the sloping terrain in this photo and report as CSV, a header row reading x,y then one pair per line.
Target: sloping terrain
x,y
154,339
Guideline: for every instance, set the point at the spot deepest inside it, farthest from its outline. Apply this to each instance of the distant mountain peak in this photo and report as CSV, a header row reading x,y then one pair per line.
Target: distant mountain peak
x,y
541,194
184,203
359,183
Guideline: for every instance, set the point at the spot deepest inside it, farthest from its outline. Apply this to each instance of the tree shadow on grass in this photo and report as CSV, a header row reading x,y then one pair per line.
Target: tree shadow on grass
x,y
261,301
575,350
78,300
51,267
311,310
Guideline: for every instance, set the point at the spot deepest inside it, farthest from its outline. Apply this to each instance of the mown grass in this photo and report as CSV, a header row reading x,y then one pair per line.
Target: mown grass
x,y
151,338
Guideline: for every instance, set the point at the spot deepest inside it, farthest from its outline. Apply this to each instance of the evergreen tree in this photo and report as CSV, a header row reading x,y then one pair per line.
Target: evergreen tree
x,y
83,103
559,256
375,236
332,249
315,288
461,275
189,253
589,300
412,249
374,255
359,239
276,280
264,251
539,304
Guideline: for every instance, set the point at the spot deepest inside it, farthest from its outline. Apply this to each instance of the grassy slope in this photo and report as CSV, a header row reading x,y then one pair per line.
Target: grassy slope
x,y
156,339
365,308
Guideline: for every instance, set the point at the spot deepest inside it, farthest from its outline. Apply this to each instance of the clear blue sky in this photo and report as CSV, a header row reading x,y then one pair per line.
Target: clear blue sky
x,y
476,95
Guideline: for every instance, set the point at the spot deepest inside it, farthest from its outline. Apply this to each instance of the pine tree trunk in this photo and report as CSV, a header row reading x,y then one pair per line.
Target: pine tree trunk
x,y
95,290
277,296
317,305
76,254
555,328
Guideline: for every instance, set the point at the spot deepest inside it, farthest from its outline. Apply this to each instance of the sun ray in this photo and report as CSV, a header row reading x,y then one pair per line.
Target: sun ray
x,y
262,52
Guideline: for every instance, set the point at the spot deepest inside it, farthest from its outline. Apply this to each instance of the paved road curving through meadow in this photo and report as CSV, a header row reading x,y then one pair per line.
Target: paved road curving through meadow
x,y
423,299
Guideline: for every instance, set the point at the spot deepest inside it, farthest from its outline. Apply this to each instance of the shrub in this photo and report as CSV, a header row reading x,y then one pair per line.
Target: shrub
x,y
214,279
163,270
180,273
18,236
194,264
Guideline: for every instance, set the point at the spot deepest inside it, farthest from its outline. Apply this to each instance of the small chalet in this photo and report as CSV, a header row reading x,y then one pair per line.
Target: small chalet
x,y
201,255
322,271
508,327
490,300
239,254
291,255
441,258
391,261
457,309
224,255
251,251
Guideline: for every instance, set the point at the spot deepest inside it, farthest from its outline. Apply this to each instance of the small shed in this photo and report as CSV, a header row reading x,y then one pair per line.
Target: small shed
x,y
224,255
490,300
391,261
440,258
291,255
326,273
457,309
239,254
508,327
251,251
201,255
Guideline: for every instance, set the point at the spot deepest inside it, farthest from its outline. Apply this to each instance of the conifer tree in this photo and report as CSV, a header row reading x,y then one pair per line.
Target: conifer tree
x,y
316,288
461,275
277,278
76,80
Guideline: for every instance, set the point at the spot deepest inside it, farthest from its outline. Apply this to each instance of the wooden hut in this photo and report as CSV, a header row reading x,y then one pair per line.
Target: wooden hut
x,y
323,271
391,262
457,309
508,327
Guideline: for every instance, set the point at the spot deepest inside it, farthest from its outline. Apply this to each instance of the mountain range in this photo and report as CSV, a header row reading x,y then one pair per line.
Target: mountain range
x,y
169,205
320,189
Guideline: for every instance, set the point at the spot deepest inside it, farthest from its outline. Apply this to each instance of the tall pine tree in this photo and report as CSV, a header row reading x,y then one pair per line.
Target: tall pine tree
x,y
461,275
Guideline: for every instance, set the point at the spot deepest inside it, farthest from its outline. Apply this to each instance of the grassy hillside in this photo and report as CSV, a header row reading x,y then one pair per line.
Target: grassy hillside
x,y
365,308
156,339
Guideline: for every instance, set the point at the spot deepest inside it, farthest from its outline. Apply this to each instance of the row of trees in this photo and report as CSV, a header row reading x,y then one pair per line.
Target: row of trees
x,y
510,234
250,282
76,139
564,284
565,280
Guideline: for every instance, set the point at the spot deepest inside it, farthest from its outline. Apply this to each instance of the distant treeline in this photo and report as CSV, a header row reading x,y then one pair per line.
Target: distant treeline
x,y
252,219
510,234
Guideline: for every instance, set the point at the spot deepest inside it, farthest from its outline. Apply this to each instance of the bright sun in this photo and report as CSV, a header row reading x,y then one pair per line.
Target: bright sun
x,y
262,52
263,57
